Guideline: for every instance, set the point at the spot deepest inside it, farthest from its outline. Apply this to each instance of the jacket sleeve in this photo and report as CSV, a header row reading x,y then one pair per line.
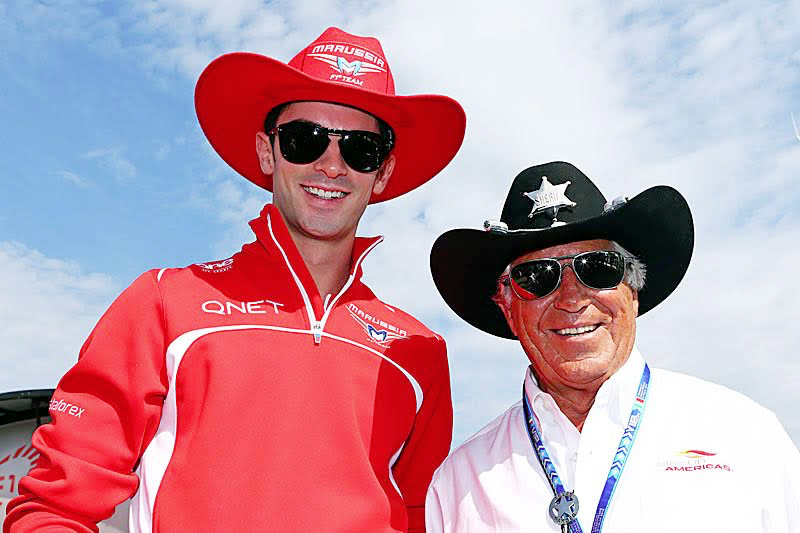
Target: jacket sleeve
x,y
104,412
429,441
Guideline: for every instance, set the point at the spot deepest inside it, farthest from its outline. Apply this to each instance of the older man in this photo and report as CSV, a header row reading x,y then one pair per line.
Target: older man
x,y
599,440
271,390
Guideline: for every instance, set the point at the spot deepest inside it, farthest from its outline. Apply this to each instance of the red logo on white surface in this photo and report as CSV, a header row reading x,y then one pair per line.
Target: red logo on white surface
x,y
694,460
15,465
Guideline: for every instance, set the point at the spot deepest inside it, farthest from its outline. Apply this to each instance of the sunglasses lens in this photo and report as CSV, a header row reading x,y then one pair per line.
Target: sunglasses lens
x,y
302,142
363,151
600,269
535,279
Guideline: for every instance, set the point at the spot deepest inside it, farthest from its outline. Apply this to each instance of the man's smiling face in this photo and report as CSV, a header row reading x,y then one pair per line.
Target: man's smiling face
x,y
576,336
324,199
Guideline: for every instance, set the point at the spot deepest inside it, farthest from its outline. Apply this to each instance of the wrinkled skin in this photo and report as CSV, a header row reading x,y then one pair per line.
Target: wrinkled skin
x,y
572,367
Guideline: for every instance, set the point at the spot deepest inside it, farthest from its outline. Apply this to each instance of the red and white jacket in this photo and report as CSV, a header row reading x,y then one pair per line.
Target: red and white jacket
x,y
228,396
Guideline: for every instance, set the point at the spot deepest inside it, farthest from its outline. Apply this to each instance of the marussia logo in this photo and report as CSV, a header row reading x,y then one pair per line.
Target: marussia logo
x,y
348,68
383,336
362,61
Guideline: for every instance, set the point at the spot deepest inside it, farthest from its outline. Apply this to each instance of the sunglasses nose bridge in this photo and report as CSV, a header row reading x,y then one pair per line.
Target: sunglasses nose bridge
x,y
570,294
564,264
331,161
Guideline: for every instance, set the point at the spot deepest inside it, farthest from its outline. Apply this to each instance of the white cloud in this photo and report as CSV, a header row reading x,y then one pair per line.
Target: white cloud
x,y
634,93
236,204
114,161
73,178
49,307
635,99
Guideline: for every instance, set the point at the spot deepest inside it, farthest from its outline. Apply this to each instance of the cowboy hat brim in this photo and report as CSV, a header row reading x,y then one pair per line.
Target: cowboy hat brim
x,y
236,91
656,226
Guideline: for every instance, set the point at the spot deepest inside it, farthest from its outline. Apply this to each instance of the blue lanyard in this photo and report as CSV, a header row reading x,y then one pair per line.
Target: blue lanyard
x,y
620,457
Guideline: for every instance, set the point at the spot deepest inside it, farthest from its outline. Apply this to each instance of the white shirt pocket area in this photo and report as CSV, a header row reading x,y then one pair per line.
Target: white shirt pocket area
x,y
686,490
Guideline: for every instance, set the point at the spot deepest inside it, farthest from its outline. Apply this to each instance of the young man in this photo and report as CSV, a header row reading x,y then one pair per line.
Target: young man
x,y
270,391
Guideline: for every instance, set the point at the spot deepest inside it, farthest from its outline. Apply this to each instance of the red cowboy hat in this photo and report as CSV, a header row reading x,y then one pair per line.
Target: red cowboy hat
x,y
236,91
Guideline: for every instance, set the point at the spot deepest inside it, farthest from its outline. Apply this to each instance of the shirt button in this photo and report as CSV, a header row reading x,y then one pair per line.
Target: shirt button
x,y
574,457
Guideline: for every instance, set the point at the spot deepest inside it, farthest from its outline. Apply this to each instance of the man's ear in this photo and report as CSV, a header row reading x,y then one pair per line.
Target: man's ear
x,y
383,175
503,299
265,153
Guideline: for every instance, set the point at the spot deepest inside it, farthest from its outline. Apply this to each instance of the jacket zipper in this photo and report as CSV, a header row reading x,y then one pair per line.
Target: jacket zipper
x,y
317,326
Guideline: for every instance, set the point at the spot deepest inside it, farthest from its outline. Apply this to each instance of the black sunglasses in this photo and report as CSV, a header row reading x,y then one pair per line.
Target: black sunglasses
x,y
599,269
303,142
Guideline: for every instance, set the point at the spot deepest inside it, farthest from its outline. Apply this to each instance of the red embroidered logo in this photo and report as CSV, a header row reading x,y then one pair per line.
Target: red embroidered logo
x,y
694,460
696,454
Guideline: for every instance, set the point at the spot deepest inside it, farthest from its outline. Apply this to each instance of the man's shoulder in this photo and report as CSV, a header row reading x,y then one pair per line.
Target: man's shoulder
x,y
492,444
210,272
683,389
205,270
204,280
388,316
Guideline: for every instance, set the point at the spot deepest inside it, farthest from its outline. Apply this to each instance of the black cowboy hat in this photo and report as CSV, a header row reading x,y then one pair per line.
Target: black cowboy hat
x,y
553,204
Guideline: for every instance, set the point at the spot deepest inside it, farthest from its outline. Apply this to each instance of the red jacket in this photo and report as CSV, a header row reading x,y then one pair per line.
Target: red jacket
x,y
228,397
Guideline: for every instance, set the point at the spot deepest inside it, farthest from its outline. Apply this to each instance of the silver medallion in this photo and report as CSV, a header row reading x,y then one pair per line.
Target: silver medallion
x,y
564,508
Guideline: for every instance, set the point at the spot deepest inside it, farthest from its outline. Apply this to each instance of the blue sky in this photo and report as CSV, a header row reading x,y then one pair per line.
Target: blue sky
x,y
105,172
97,166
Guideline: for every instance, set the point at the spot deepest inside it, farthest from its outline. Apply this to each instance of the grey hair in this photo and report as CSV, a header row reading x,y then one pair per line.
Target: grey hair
x,y
635,270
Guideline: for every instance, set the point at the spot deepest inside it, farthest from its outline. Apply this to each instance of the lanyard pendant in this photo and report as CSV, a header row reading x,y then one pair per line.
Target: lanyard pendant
x,y
564,509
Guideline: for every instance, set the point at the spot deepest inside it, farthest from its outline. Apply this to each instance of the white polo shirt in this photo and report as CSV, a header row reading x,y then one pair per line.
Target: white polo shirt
x,y
706,458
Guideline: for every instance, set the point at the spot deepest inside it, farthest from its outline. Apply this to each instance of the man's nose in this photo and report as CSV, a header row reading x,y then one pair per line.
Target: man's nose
x,y
571,296
331,162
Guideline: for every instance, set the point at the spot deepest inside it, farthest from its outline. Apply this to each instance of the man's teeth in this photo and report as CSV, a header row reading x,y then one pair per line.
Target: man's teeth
x,y
577,331
320,193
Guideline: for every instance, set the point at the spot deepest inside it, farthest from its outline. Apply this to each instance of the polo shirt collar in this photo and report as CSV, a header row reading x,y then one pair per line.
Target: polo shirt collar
x,y
614,397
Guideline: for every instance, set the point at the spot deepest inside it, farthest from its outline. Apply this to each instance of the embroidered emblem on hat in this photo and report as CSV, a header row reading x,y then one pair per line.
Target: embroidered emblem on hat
x,y
549,196
346,67
350,72
357,67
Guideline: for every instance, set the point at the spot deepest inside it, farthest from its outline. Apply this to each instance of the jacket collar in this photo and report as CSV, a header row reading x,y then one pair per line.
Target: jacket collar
x,y
271,231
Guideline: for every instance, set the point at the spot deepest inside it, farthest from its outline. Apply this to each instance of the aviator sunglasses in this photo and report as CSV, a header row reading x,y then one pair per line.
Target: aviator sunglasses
x,y
304,142
599,269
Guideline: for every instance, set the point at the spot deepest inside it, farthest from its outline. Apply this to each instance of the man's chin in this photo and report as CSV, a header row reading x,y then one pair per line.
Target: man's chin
x,y
584,370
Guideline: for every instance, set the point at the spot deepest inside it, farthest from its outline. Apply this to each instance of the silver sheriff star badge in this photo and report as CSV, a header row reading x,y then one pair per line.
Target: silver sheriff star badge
x,y
550,196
